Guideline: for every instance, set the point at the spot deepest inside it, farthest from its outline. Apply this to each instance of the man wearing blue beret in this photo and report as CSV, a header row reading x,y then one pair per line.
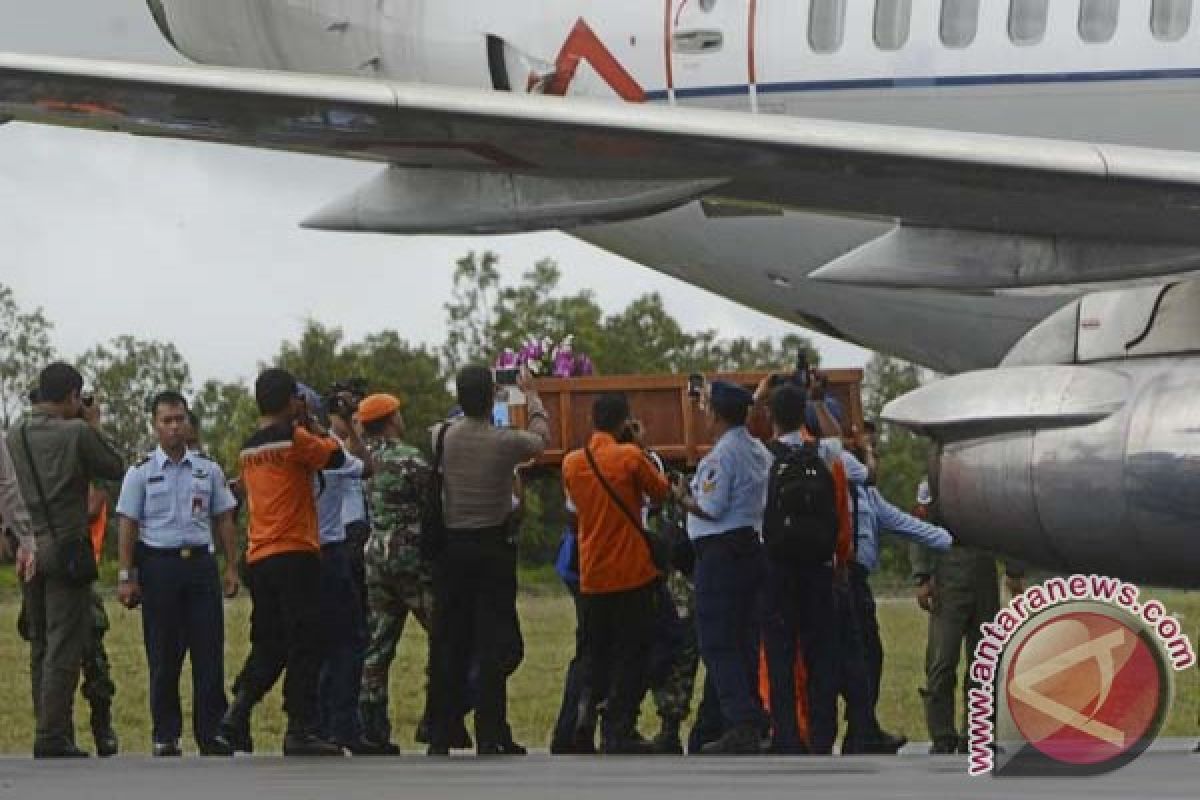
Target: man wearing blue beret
x,y
725,513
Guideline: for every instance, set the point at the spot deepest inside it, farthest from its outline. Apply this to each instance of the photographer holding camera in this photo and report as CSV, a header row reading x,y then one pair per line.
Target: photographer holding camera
x,y
342,406
279,465
475,574
343,620
58,449
606,483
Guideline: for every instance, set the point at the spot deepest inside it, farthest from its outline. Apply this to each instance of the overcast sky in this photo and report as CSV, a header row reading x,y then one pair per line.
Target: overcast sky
x,y
199,245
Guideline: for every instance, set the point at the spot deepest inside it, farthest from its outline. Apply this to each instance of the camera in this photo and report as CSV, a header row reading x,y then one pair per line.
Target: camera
x,y
695,386
507,377
338,406
801,378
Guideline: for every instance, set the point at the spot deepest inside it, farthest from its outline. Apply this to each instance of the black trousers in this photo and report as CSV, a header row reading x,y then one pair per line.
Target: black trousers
x,y
730,569
573,720
801,613
285,632
474,623
855,683
868,625
182,615
344,633
618,631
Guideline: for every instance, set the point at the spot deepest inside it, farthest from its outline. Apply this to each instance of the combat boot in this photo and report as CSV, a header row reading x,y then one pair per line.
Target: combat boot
x,y
742,740
667,742
306,743
235,726
377,731
107,744
944,746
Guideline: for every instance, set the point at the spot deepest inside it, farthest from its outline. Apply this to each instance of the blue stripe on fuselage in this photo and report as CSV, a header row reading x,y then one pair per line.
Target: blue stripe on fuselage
x,y
932,81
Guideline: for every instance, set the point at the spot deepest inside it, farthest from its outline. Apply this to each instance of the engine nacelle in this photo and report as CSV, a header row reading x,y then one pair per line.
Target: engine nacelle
x,y
1073,468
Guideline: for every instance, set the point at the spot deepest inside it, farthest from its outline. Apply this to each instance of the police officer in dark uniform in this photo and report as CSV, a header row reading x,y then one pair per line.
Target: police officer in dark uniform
x,y
170,505
725,508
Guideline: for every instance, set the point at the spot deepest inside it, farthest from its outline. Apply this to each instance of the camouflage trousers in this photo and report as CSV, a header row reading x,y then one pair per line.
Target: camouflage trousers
x,y
389,604
673,695
98,687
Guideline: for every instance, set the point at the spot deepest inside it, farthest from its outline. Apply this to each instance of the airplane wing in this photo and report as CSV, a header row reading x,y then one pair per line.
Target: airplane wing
x,y
628,159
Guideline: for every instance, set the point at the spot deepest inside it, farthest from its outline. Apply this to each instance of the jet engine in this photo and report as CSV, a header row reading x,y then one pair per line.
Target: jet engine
x,y
1081,452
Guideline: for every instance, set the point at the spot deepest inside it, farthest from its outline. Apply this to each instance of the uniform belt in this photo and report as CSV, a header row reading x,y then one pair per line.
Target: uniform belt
x,y
719,540
192,551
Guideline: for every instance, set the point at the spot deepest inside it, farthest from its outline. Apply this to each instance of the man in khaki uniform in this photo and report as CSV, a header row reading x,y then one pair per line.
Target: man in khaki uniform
x,y
960,589
57,451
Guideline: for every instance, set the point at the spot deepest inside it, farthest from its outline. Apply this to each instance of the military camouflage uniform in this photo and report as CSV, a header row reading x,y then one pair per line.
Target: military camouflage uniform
x,y
398,581
673,697
98,686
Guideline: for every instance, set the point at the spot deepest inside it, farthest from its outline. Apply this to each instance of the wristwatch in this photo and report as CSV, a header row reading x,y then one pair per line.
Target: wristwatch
x,y
126,575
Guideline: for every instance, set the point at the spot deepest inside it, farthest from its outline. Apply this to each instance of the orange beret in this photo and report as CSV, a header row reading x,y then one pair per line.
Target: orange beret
x,y
378,406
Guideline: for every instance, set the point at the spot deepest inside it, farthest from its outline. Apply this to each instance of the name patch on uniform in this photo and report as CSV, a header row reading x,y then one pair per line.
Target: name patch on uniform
x,y
156,479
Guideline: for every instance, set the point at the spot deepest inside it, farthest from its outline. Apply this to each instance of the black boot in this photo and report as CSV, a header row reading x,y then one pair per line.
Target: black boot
x,y
667,742
882,744
376,736
105,737
304,741
741,740
944,746
234,733
66,750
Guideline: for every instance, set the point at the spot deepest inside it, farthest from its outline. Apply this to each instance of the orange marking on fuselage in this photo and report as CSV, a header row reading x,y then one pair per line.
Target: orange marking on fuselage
x,y
584,45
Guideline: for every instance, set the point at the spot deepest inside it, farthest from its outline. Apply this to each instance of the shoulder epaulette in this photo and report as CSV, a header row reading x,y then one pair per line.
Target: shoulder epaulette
x,y
202,455
145,460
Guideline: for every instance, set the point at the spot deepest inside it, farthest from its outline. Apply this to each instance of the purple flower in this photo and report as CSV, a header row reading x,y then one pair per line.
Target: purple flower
x,y
507,359
584,366
564,364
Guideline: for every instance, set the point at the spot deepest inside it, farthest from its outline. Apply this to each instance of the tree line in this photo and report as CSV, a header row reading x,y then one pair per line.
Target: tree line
x,y
484,315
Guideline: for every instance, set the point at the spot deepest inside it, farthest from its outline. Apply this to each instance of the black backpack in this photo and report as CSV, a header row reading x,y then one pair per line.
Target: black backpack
x,y
800,525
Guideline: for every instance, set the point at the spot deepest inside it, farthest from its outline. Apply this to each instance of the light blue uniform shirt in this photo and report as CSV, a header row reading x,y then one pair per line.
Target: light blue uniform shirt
x,y
332,499
354,504
174,503
730,485
876,515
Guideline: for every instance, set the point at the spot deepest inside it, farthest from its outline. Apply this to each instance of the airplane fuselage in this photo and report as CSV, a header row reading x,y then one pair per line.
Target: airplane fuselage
x,y
927,64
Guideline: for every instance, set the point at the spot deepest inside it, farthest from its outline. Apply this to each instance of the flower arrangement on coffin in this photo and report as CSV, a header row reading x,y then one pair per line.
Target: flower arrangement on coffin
x,y
545,359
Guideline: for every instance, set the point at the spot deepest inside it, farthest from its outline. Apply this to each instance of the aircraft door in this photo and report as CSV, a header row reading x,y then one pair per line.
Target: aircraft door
x,y
710,42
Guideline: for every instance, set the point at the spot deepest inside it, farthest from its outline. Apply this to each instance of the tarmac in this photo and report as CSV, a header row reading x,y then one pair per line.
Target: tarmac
x,y
1168,770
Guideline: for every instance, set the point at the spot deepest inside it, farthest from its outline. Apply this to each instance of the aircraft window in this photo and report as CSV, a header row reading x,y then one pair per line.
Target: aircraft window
x,y
893,18
826,25
960,22
1027,20
1170,19
1098,20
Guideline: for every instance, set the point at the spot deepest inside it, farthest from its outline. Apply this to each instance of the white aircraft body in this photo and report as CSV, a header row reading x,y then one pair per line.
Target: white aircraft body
x,y
1006,190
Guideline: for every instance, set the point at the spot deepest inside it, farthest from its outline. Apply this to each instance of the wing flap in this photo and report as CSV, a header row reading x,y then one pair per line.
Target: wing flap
x,y
919,177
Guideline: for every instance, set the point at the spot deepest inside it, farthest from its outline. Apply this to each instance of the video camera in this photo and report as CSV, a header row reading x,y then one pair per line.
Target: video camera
x,y
804,377
338,406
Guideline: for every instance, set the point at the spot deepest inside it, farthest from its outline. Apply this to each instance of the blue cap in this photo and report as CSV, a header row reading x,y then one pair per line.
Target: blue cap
x,y
730,395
